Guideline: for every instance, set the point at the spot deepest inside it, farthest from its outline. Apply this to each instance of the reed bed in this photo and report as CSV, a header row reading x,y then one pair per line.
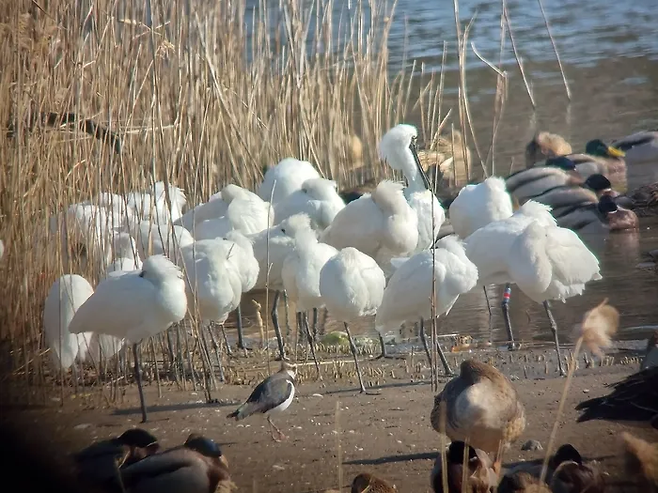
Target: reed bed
x,y
110,96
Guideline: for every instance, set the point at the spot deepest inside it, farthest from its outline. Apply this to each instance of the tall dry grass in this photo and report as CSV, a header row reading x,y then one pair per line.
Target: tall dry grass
x,y
198,94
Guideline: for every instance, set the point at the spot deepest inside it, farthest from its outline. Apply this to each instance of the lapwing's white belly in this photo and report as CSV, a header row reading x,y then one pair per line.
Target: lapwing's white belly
x,y
285,404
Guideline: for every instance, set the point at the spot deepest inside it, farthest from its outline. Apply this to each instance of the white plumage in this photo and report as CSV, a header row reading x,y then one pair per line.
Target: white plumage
x,y
382,225
352,286
135,306
125,254
64,298
285,178
317,197
214,208
478,205
409,291
545,261
398,148
247,214
301,270
214,282
152,204
158,238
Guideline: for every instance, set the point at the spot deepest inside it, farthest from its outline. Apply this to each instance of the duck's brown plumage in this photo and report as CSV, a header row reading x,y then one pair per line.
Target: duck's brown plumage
x,y
522,482
366,482
481,475
633,399
482,407
570,474
641,461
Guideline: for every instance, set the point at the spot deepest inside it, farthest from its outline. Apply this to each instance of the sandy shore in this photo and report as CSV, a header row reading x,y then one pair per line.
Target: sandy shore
x,y
388,434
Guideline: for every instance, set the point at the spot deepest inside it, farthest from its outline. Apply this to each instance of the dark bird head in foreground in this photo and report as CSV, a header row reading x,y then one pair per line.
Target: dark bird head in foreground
x,y
481,476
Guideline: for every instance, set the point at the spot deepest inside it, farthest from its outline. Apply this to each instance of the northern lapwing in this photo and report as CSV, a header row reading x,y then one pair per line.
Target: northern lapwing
x,y
271,397
98,465
197,466
481,407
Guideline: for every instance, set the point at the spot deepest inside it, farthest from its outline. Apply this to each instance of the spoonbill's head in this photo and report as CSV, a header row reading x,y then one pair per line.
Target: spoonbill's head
x,y
398,148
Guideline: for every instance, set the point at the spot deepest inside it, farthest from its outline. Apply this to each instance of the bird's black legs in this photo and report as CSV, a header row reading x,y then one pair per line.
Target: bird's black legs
x,y
508,323
486,297
384,353
423,339
311,342
240,332
275,322
229,351
444,360
273,427
138,377
316,316
547,307
287,311
356,360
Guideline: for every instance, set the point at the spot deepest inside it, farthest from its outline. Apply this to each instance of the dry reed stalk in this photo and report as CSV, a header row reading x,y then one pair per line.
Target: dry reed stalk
x,y
516,54
595,331
557,55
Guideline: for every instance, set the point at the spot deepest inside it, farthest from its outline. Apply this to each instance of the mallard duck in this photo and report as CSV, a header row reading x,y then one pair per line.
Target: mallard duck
x,y
522,482
554,172
351,194
643,199
651,355
566,473
641,461
640,147
197,466
482,406
99,463
598,157
633,399
366,482
481,475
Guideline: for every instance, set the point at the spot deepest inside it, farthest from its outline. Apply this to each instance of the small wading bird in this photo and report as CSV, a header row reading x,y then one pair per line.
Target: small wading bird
x,y
197,466
481,407
135,306
270,397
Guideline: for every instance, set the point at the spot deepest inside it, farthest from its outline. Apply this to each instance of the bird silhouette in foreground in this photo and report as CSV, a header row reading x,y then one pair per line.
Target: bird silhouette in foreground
x,y
633,399
480,474
98,465
366,482
481,407
270,397
197,466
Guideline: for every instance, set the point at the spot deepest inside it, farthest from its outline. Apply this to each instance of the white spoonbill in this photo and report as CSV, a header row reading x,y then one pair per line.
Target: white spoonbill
x,y
398,149
248,214
271,247
152,204
352,286
382,225
528,249
157,238
317,197
409,291
476,206
64,298
301,278
135,306
126,255
285,178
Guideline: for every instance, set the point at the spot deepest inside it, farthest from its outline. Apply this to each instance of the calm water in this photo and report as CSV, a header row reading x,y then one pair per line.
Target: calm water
x,y
610,55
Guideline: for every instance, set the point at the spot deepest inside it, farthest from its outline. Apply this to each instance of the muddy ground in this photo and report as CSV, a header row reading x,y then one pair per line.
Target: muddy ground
x,y
388,434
